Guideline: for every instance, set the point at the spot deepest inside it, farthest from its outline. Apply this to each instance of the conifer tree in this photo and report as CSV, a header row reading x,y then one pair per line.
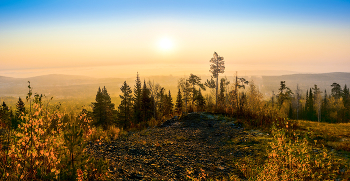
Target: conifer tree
x,y
306,111
20,107
162,102
5,116
103,109
178,105
185,87
310,108
346,102
146,104
75,145
200,101
324,108
125,107
137,99
193,82
217,66
20,110
284,93
317,101
336,90
170,105
222,97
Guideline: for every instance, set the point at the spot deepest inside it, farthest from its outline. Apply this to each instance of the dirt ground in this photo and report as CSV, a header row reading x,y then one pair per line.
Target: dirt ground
x,y
198,145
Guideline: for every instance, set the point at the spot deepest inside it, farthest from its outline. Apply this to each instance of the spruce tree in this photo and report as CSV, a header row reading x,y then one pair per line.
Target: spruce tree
x,y
317,101
346,102
5,115
200,101
137,100
103,109
125,107
75,146
306,111
170,105
311,112
20,108
325,106
146,104
178,105
222,98
161,103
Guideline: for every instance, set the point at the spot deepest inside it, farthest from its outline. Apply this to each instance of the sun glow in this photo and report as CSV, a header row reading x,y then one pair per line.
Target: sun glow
x,y
165,44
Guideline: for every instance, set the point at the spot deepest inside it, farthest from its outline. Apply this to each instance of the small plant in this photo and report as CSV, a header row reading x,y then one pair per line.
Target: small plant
x,y
74,145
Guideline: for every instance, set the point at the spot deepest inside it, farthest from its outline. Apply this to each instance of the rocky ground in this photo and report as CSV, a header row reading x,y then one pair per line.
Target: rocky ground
x,y
194,146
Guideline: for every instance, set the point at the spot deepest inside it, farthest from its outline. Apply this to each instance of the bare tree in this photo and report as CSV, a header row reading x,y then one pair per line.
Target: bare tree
x,y
154,88
217,66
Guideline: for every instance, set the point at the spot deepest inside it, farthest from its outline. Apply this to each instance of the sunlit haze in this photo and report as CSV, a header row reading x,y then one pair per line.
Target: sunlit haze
x,y
120,38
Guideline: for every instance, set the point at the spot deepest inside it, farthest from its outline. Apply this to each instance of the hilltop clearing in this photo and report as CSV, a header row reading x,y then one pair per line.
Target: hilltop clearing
x,y
196,146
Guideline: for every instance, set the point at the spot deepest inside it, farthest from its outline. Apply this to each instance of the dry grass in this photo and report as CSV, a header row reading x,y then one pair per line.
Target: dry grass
x,y
302,153
336,136
290,159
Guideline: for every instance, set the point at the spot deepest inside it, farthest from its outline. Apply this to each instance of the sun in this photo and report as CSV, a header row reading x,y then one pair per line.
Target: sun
x,y
165,44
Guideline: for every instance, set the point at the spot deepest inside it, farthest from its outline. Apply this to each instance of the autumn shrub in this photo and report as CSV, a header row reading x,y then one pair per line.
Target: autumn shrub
x,y
34,152
99,134
43,148
296,159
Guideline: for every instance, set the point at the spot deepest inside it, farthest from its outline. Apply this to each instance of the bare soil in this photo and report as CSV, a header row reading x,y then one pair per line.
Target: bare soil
x,y
197,145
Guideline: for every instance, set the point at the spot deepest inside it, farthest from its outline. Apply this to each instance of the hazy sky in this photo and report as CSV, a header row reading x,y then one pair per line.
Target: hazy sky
x,y
108,38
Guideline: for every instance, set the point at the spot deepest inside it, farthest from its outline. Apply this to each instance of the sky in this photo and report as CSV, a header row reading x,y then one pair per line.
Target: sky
x,y
108,38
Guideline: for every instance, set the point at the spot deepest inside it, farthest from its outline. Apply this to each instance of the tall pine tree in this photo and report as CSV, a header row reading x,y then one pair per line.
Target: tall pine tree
x,y
324,108
137,99
146,104
217,66
178,105
125,107
310,108
169,104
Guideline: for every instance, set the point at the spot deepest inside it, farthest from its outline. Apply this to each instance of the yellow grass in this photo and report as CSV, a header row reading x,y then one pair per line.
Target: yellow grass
x,y
335,135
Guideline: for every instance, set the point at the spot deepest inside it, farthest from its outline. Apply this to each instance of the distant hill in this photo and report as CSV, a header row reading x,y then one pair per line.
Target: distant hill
x,y
68,86
305,81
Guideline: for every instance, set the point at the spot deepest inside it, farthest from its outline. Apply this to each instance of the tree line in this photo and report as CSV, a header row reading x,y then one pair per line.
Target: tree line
x,y
148,101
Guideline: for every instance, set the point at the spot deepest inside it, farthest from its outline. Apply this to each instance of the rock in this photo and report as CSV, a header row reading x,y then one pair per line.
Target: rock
x,y
135,176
